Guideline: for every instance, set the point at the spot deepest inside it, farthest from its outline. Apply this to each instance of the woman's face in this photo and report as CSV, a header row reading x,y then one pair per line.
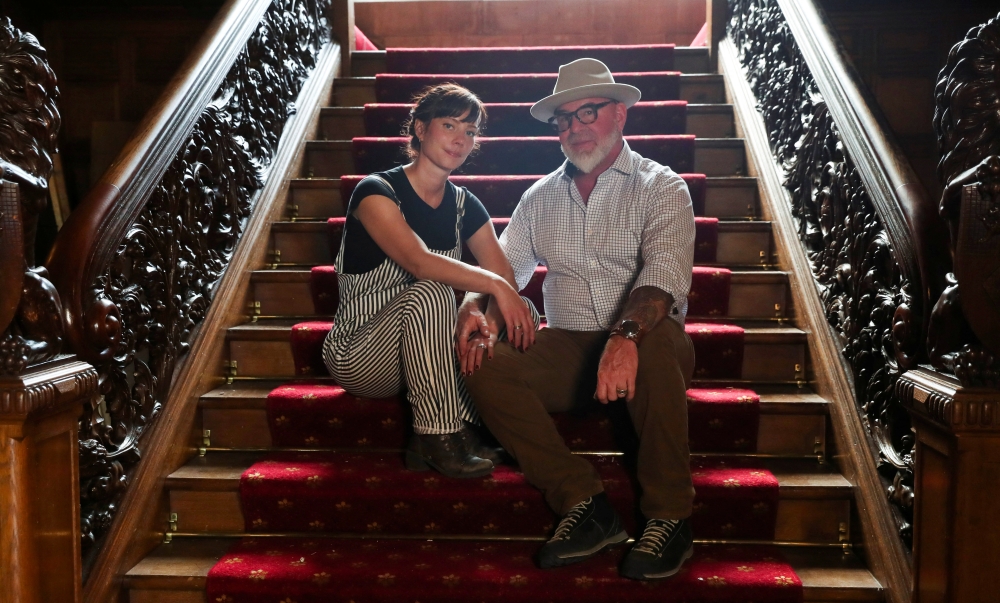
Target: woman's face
x,y
447,141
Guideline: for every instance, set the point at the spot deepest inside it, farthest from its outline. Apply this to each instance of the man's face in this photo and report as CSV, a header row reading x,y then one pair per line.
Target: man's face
x,y
587,145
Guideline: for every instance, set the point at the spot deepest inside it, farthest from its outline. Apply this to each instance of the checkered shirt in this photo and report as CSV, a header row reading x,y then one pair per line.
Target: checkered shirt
x,y
636,230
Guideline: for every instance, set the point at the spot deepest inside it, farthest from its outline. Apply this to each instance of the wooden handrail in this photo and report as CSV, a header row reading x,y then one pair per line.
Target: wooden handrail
x,y
91,235
910,217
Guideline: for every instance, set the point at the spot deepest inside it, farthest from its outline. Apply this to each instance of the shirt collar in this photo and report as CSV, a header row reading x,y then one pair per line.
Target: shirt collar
x,y
625,163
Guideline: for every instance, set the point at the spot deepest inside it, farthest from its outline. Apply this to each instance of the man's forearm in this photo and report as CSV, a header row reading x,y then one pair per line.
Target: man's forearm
x,y
646,306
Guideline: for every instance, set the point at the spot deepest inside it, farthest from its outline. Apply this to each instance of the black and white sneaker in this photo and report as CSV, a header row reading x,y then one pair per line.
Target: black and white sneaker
x,y
586,530
664,547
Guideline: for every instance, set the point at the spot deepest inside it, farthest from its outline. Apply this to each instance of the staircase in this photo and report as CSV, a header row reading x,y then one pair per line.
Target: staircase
x,y
298,492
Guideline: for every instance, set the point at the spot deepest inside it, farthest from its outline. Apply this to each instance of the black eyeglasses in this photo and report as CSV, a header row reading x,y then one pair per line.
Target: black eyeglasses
x,y
586,114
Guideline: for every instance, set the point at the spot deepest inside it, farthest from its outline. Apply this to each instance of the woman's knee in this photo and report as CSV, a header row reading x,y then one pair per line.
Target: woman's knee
x,y
432,294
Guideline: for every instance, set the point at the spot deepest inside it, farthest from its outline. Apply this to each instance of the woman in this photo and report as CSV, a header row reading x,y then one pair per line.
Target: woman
x,y
398,262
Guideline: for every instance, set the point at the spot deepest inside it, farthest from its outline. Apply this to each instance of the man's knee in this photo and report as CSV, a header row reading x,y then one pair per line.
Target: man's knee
x,y
666,349
493,371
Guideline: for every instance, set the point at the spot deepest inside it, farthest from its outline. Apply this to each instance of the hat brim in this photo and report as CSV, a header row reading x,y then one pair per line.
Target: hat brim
x,y
544,109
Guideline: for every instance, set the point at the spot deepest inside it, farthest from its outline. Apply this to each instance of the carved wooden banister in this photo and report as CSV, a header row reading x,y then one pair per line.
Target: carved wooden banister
x,y
139,262
91,236
909,215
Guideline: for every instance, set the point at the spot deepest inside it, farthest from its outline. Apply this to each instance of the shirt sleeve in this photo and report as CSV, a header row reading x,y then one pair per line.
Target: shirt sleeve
x,y
369,186
516,242
668,238
475,216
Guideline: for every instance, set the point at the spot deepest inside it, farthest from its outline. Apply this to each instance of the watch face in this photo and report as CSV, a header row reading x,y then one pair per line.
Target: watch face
x,y
630,328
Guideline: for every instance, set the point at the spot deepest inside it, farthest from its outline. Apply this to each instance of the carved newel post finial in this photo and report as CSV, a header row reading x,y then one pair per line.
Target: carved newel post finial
x,y
31,329
964,334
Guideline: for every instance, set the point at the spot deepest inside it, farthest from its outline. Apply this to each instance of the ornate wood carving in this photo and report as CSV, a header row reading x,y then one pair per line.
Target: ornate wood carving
x,y
145,305
865,287
964,333
31,329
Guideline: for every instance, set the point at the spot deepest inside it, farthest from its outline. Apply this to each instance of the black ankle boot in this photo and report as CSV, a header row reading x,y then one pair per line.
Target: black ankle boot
x,y
446,454
474,445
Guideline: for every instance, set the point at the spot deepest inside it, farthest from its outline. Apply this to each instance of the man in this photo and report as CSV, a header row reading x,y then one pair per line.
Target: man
x,y
616,232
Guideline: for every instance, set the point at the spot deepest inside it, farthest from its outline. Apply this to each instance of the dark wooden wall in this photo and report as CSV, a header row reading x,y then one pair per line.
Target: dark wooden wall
x,y
425,23
113,59
899,48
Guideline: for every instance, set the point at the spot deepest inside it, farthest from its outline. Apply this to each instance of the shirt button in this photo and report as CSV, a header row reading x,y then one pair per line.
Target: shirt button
x,y
593,263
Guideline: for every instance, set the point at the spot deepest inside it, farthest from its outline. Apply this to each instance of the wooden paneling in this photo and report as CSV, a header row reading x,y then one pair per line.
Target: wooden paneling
x,y
423,23
898,49
110,71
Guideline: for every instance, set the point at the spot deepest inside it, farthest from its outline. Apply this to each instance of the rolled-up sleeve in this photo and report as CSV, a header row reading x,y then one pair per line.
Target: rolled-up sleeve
x,y
517,245
668,239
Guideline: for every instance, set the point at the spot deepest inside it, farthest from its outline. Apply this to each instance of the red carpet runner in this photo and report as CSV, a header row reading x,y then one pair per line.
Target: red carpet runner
x,y
500,194
286,570
513,119
317,415
354,482
521,154
516,88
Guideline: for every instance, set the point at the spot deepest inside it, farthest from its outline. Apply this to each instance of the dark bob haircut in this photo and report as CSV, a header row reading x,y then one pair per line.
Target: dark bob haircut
x,y
443,100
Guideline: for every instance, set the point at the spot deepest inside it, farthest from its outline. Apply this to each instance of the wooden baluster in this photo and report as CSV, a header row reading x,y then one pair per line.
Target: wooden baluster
x,y
342,21
40,482
716,12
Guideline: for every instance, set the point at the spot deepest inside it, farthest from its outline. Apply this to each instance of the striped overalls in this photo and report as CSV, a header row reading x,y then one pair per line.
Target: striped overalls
x,y
392,329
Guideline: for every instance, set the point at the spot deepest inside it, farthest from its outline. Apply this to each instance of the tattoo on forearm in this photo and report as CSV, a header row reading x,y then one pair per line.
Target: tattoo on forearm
x,y
647,306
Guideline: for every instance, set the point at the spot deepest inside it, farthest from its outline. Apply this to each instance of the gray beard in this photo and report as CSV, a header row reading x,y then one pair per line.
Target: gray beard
x,y
586,162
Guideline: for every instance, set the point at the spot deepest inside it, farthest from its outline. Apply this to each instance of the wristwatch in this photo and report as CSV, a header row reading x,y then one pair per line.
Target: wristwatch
x,y
629,329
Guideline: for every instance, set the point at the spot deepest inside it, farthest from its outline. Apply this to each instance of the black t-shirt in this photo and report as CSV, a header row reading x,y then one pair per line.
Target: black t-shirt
x,y
436,227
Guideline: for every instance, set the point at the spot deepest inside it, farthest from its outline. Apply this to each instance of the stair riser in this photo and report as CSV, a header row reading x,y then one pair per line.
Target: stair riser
x,y
685,61
715,124
746,301
721,201
701,90
171,594
769,362
308,245
333,159
247,428
808,520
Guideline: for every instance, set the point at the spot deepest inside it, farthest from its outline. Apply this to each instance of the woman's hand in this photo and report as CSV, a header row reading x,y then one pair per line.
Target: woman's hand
x,y
516,314
478,346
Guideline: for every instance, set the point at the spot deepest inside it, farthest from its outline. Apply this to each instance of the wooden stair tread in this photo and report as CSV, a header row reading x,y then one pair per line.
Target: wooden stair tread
x,y
718,181
278,329
183,565
253,395
313,226
296,274
222,471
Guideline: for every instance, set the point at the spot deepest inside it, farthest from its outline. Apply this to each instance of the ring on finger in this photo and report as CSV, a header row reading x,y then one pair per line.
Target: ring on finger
x,y
621,392
481,346
517,327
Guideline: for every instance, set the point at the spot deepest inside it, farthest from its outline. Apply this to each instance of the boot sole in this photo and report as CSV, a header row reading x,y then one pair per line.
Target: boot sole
x,y
415,462
687,555
608,543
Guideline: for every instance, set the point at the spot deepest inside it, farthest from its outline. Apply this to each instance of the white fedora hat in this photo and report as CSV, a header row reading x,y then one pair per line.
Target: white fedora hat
x,y
583,78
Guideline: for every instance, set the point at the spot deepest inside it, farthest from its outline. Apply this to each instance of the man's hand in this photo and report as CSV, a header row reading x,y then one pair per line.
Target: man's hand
x,y
617,370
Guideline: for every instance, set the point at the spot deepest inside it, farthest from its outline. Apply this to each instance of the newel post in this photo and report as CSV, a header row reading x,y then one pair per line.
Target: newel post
x,y
956,531
342,21
39,481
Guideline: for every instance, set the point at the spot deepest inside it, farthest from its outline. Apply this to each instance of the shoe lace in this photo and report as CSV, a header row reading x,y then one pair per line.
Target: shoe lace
x,y
570,520
656,534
